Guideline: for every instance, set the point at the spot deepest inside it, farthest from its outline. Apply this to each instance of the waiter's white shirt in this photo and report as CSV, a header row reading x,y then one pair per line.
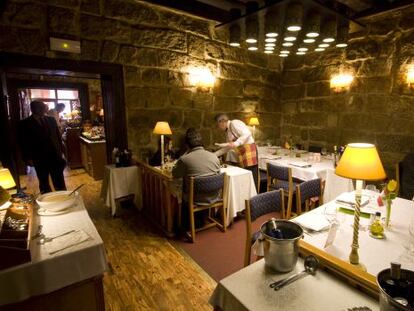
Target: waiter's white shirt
x,y
238,133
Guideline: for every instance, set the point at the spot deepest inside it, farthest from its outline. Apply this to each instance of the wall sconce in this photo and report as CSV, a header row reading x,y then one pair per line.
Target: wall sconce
x,y
201,77
410,76
341,82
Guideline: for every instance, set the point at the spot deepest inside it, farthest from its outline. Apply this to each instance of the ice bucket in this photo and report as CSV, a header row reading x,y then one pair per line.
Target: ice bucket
x,y
281,254
388,303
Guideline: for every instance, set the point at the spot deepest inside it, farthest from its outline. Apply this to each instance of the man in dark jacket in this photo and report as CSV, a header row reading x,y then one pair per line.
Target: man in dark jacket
x,y
41,147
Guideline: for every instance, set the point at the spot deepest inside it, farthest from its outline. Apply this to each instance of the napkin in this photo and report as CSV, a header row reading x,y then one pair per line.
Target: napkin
x,y
349,199
65,241
314,222
271,157
300,164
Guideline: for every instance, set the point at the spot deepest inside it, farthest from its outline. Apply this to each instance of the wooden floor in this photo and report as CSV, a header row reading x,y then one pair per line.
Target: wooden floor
x,y
146,271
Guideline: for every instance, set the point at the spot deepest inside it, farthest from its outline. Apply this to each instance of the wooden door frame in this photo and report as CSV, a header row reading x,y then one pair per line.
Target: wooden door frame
x,y
112,83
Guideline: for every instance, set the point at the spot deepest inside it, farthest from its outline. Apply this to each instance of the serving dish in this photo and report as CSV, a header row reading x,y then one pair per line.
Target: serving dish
x,y
56,201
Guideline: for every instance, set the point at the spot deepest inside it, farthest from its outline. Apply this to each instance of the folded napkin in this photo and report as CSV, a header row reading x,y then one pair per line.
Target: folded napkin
x,y
314,222
65,241
300,164
348,198
271,157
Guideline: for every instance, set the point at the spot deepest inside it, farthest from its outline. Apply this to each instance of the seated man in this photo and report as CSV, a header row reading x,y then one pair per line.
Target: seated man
x,y
196,161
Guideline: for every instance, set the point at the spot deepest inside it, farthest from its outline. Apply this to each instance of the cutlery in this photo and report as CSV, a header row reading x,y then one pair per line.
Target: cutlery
x,y
311,266
77,188
44,239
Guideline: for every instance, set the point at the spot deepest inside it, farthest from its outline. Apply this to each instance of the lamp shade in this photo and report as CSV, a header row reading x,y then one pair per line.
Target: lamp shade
x,y
162,128
6,179
254,121
360,161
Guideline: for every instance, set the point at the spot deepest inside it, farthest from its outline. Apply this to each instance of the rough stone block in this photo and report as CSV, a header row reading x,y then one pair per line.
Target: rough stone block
x,y
132,76
257,59
291,77
186,23
66,3
96,27
203,100
293,92
356,135
254,89
223,104
406,21
173,60
128,55
375,67
362,49
90,6
110,51
293,62
153,77
146,97
290,107
8,40
316,119
192,118
318,134
23,14
132,11
373,85
63,21
147,57
32,41
90,49
269,105
318,89
396,143
228,87
159,38
181,98
383,26
376,102
248,106
147,118
175,78
196,46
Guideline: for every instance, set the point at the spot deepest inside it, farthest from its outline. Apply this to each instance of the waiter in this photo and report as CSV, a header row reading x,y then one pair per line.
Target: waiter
x,y
240,148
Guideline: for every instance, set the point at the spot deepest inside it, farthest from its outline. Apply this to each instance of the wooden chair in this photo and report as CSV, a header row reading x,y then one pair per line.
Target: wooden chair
x,y
308,193
280,177
316,149
261,204
202,187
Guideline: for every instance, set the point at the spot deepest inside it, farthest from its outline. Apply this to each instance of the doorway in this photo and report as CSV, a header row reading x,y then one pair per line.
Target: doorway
x,y
108,106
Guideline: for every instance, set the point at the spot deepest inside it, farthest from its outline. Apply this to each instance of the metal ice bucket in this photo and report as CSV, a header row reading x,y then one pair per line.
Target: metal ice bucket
x,y
281,254
387,303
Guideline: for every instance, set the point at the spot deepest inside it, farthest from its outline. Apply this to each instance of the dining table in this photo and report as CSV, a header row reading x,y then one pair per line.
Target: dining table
x,y
306,166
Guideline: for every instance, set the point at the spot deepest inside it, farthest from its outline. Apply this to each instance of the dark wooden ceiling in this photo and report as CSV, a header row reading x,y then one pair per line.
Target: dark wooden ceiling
x,y
218,10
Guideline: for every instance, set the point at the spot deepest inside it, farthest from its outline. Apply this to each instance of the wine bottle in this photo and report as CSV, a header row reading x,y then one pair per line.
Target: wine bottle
x,y
274,231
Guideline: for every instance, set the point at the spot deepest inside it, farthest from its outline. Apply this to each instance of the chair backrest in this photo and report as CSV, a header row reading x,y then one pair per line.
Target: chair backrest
x,y
316,149
266,203
307,190
206,189
278,172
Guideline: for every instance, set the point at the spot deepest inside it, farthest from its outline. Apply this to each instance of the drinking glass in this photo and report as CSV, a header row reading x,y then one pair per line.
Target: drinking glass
x,y
324,151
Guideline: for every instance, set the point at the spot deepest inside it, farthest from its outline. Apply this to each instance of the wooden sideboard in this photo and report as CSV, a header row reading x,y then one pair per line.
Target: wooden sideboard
x,y
93,155
158,202
73,150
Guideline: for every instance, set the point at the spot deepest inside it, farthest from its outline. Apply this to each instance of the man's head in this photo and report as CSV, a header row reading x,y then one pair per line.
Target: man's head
x,y
38,108
60,107
222,120
193,138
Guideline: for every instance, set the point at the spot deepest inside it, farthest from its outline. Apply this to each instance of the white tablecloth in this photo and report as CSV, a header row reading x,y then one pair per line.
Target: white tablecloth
x,y
375,254
334,185
248,289
47,273
120,182
241,187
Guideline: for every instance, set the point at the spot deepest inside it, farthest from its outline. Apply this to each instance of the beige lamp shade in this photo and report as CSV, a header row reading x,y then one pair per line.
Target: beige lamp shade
x,y
254,121
6,179
360,161
162,128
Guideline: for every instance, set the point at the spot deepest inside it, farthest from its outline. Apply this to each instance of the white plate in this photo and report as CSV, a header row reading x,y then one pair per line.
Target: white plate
x,y
57,200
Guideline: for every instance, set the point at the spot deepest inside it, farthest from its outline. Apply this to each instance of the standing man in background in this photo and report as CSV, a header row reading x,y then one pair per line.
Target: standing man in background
x,y
55,113
240,149
41,146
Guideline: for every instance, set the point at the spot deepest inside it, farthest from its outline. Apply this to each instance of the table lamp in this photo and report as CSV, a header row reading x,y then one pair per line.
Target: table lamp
x,y
162,128
253,122
6,179
360,161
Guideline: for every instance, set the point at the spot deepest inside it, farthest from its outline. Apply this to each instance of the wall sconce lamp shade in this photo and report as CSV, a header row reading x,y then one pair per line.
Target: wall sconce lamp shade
x,y
342,36
410,76
329,30
294,16
235,35
162,128
254,121
341,82
360,161
272,24
6,179
252,29
313,25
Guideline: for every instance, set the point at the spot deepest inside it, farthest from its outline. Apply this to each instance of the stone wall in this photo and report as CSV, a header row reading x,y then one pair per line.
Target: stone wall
x,y
379,107
155,47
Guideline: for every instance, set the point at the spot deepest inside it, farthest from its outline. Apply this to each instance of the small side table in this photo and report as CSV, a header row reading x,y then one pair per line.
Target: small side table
x,y
120,182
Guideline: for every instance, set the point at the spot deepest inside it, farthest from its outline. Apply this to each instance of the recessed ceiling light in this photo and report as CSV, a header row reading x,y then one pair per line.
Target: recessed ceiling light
x,y
287,43
319,49
300,53
341,45
252,48
272,34
323,45
269,48
312,34
328,40
290,39
294,28
284,52
268,52
270,40
283,55
302,49
234,44
270,44
251,40
308,40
